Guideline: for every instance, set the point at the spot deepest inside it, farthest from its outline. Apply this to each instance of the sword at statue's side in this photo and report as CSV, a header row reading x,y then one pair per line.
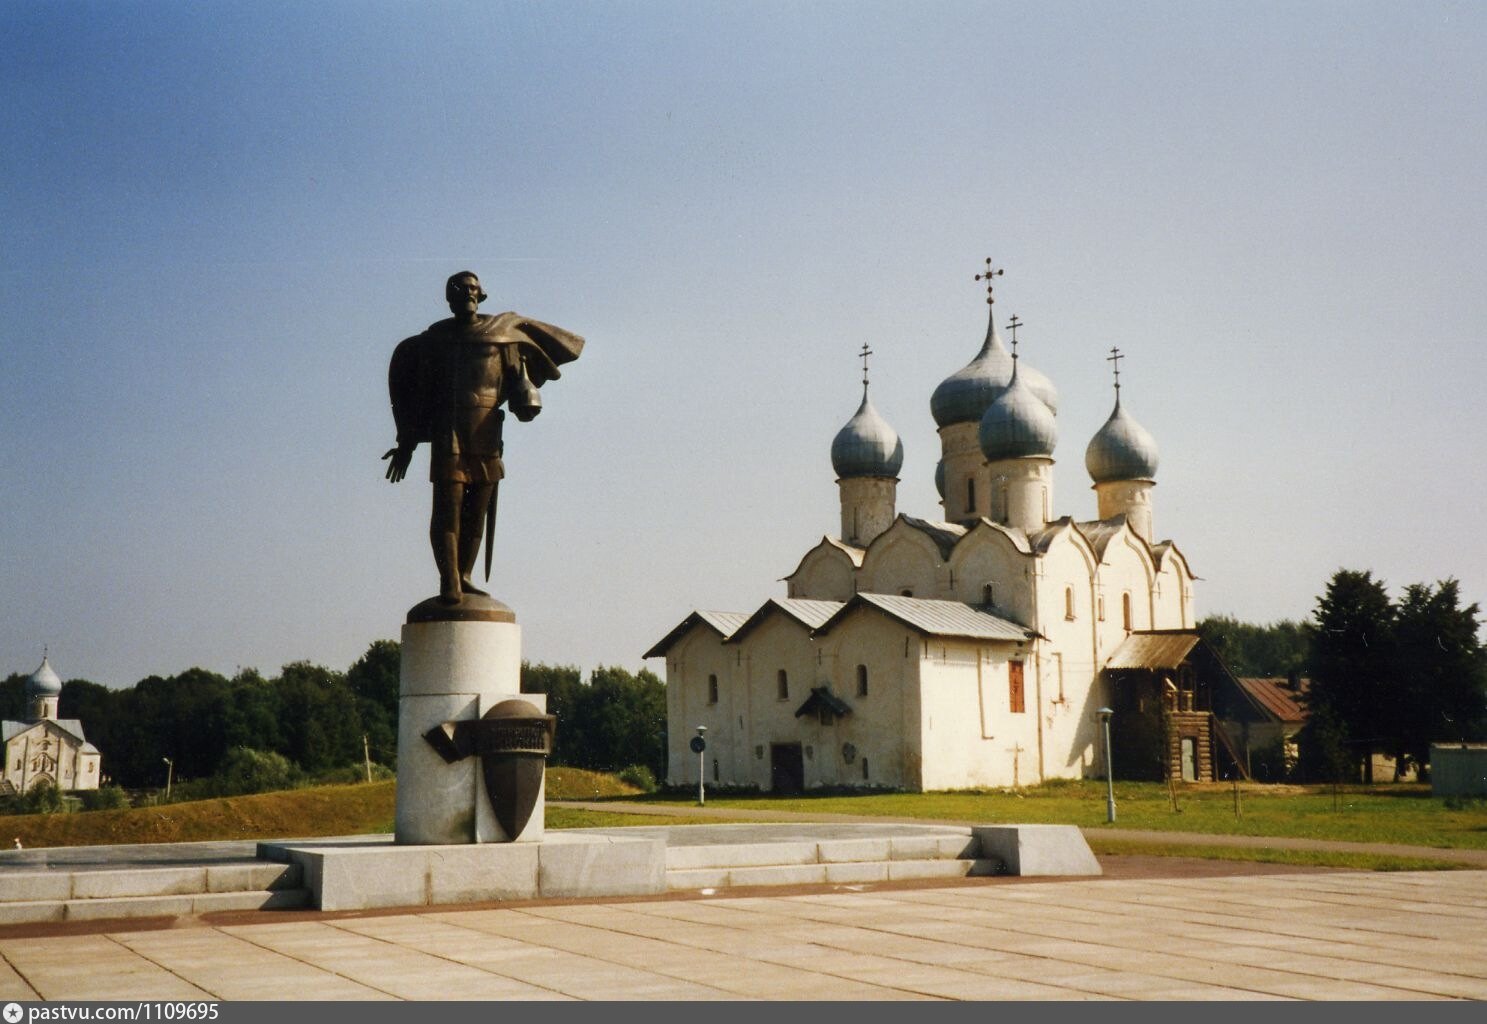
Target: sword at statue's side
x,y
490,529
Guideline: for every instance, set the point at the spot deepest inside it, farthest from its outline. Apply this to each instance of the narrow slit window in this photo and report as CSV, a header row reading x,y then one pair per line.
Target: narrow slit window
x,y
1069,603
862,680
782,685
712,689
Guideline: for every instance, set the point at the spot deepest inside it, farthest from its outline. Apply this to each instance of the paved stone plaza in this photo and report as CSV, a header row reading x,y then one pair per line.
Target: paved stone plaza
x,y
1309,935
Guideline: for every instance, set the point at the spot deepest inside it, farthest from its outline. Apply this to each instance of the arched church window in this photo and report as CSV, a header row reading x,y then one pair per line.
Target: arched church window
x,y
988,594
1069,603
782,685
862,680
970,494
1100,608
1125,610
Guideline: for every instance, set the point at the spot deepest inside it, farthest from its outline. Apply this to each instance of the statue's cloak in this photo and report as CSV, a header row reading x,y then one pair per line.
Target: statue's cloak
x,y
412,375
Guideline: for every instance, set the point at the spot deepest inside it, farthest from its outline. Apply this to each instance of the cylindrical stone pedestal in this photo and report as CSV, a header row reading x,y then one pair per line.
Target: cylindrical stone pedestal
x,y
454,669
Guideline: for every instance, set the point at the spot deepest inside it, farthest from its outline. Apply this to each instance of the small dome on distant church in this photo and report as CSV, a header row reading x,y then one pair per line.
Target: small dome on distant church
x,y
965,395
1121,450
867,445
44,682
1018,424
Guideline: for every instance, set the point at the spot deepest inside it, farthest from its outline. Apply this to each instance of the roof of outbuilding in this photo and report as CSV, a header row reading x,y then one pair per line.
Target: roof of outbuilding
x,y
934,618
1276,696
1156,649
722,623
808,613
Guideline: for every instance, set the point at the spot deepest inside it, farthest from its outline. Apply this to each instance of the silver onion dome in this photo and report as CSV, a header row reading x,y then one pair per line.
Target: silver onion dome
x,y
1018,424
1121,450
867,445
44,682
965,395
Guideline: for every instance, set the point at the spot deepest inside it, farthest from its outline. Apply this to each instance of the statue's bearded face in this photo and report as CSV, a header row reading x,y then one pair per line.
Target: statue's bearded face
x,y
464,294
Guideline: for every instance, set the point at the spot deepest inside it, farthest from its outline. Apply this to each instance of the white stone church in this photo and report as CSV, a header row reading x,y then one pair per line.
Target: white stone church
x,y
960,652
45,749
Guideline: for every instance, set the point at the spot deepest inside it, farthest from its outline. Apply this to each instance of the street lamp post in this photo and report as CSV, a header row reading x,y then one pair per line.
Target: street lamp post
x,y
699,744
170,770
1105,715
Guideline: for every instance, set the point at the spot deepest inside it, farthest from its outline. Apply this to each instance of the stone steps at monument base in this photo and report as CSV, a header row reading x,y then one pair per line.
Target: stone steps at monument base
x,y
827,861
89,895
840,873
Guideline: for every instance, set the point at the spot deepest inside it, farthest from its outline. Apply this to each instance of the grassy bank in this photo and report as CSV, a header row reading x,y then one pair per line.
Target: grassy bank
x,y
1380,814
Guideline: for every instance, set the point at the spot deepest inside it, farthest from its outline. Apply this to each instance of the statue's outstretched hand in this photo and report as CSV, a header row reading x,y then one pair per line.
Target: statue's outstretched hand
x,y
400,457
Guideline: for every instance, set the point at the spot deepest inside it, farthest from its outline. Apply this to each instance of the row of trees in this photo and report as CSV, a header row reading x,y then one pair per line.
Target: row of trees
x,y
1391,676
1386,676
316,717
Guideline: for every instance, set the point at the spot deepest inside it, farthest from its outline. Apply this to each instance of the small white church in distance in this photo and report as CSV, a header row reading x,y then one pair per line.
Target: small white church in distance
x,y
45,749
960,652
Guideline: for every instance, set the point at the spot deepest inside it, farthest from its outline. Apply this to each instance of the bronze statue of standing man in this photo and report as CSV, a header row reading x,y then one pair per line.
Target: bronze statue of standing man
x,y
447,386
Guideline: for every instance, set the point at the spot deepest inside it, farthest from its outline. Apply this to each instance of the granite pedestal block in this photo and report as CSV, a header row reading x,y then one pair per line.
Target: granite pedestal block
x,y
365,873
454,670
1037,849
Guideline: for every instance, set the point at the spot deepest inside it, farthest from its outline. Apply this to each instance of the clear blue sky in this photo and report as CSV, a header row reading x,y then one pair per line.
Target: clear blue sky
x,y
218,219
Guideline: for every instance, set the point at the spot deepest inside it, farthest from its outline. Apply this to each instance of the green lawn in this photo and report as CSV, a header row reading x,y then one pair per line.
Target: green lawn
x,y
1379,814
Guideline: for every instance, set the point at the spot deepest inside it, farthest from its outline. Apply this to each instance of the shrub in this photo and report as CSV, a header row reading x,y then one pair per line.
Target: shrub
x,y
105,798
639,776
246,770
43,798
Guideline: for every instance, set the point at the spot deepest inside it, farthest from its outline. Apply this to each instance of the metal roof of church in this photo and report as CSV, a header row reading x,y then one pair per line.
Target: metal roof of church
x,y
1158,649
934,617
808,613
722,623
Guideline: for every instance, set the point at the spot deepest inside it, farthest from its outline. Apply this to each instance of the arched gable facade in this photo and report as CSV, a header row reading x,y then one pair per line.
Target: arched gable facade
x,y
992,565
903,559
828,572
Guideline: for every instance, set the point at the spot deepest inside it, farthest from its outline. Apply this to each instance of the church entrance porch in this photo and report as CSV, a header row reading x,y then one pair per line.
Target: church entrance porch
x,y
786,768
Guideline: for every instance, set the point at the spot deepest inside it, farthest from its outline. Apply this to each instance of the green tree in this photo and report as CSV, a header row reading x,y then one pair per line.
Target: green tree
x,y
1353,655
320,717
1278,649
1440,670
374,679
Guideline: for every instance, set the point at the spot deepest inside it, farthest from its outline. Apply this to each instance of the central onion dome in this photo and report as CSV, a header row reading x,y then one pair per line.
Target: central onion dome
x,y
1018,424
965,395
44,682
1121,450
867,445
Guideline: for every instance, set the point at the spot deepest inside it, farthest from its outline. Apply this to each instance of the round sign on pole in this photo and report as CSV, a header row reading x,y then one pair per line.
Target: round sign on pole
x,y
698,744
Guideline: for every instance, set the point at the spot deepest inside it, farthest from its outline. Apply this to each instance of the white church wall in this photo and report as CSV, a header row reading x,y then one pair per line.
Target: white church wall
x,y
883,729
973,733
778,644
1125,576
1068,606
691,662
